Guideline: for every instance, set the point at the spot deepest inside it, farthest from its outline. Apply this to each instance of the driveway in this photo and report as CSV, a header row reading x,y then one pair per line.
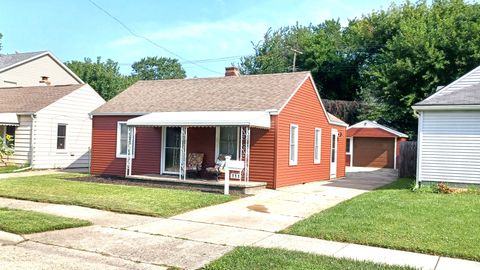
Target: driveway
x,y
190,240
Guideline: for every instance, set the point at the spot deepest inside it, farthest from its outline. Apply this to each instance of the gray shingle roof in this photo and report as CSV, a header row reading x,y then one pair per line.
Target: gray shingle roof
x,y
469,95
7,60
32,99
242,93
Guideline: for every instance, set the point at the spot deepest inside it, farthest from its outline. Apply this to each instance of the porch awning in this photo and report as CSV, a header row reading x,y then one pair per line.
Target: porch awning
x,y
9,119
258,119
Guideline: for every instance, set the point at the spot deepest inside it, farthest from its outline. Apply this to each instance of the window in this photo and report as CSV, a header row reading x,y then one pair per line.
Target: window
x,y
61,136
317,147
349,142
121,139
227,138
293,160
10,130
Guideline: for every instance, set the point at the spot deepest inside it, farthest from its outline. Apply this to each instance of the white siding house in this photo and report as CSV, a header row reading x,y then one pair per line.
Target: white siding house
x,y
31,69
449,133
53,127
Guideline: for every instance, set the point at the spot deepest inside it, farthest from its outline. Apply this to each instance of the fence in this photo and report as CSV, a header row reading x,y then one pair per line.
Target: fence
x,y
408,159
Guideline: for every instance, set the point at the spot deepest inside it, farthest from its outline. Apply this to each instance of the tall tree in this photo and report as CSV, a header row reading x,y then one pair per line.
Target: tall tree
x,y
158,68
429,46
104,77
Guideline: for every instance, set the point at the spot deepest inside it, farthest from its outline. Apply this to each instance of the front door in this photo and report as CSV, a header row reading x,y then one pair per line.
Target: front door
x,y
333,157
171,150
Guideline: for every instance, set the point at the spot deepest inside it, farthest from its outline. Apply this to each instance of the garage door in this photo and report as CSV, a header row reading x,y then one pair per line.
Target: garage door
x,y
373,152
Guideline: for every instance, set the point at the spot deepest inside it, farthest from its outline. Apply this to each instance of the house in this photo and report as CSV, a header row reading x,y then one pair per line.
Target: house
x,y
51,125
34,69
370,144
276,124
449,133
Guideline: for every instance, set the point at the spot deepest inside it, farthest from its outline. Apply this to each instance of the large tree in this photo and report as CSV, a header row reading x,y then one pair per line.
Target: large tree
x,y
104,77
387,60
158,68
426,46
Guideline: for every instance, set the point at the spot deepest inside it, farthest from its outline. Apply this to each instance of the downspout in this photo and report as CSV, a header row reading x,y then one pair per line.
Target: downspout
x,y
420,124
32,139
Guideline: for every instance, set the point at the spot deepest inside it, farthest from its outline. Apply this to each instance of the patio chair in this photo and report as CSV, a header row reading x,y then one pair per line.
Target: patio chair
x,y
214,172
194,164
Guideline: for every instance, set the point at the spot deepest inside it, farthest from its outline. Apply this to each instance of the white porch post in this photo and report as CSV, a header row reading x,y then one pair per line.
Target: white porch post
x,y
226,188
245,151
182,174
130,150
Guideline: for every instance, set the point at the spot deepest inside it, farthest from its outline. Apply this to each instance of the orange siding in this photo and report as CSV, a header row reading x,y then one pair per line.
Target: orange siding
x,y
342,149
104,137
262,154
305,110
369,132
202,140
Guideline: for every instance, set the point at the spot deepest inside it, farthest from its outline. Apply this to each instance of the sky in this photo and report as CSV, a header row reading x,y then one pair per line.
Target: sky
x,y
222,30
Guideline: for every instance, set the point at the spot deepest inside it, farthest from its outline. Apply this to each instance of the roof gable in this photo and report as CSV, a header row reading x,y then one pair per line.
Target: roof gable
x,y
266,92
10,61
463,91
32,99
372,124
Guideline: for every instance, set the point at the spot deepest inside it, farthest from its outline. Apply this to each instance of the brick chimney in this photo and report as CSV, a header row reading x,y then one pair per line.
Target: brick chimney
x,y
232,71
45,80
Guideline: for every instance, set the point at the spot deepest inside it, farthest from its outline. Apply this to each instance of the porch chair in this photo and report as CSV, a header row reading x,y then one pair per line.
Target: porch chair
x,y
214,172
194,164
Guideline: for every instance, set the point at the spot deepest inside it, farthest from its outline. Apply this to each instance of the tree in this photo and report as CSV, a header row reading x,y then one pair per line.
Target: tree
x,y
158,68
104,77
1,41
428,46
324,53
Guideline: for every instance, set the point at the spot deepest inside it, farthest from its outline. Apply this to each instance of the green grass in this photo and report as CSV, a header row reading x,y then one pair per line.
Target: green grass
x,y
25,222
118,198
9,168
396,217
250,258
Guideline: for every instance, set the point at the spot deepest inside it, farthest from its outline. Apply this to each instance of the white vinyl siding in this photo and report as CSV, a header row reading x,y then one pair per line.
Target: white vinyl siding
x,y
72,110
449,146
22,140
293,154
317,147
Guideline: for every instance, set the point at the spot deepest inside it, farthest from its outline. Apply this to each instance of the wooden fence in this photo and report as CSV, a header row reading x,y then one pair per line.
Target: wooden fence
x,y
408,159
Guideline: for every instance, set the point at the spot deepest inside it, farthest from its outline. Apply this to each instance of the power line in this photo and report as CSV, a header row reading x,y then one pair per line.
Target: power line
x,y
149,40
209,60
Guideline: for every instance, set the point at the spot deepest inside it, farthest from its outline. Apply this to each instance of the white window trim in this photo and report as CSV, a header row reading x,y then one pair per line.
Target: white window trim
x,y
65,149
350,144
118,155
217,143
317,146
294,161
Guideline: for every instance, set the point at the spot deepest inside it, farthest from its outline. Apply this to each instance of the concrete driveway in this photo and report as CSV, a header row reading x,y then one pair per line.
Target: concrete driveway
x,y
188,241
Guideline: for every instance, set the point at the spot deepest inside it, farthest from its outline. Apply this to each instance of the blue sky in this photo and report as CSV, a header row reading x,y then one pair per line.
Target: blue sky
x,y
195,30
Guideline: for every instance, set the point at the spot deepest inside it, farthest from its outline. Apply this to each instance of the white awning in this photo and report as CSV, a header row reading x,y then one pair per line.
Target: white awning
x,y
8,119
258,119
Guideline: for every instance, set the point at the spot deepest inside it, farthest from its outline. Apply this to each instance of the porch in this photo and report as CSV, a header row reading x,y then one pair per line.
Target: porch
x,y
223,137
235,186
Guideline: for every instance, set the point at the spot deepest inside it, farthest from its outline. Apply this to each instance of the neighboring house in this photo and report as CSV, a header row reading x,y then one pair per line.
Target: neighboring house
x,y
34,69
449,133
275,123
51,125
370,144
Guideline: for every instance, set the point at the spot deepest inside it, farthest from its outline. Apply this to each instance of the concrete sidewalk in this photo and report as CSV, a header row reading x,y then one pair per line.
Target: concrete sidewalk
x,y
41,172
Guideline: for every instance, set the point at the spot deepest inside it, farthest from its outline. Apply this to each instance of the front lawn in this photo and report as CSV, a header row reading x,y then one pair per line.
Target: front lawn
x,y
396,217
25,222
247,258
9,168
119,198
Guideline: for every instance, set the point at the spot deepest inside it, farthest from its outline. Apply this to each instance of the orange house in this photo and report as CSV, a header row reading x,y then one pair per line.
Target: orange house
x,y
274,124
